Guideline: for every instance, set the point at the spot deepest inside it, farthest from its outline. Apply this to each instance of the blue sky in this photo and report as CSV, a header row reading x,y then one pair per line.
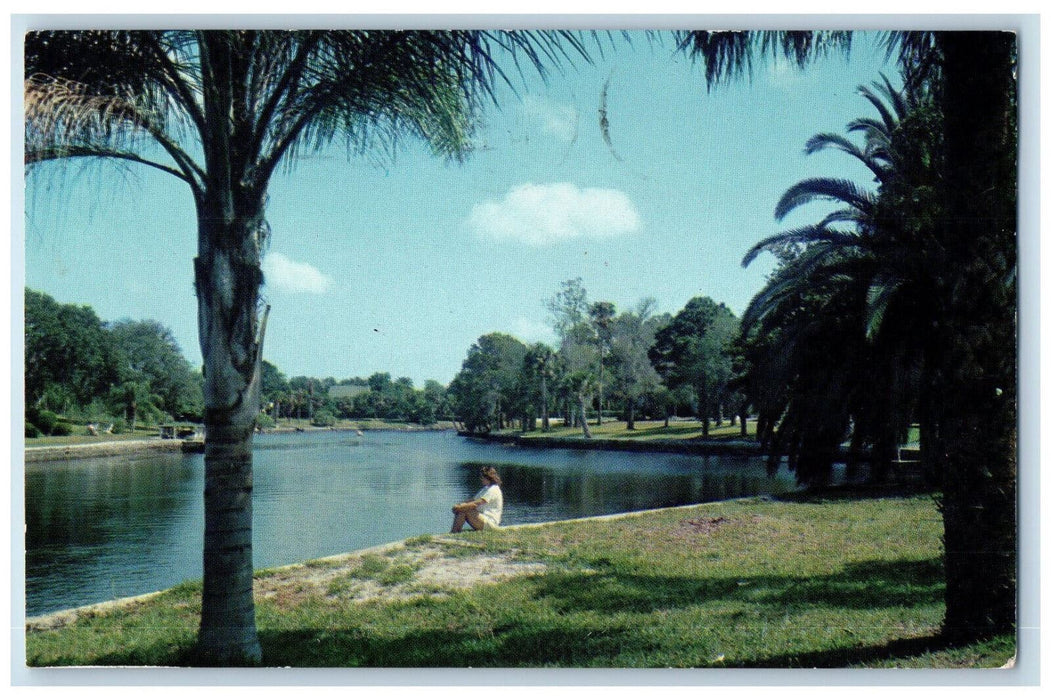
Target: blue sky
x,y
398,265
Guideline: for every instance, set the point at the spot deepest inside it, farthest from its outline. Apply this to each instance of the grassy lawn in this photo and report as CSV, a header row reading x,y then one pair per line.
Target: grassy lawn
x,y
361,424
807,583
645,430
152,432
57,440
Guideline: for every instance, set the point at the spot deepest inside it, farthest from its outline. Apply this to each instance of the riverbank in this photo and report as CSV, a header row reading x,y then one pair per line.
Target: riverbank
x,y
109,448
304,425
678,437
674,445
814,581
81,447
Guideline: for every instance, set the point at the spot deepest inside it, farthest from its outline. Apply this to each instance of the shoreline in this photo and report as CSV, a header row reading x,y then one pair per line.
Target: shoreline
x,y
671,445
67,616
116,448
688,446
109,448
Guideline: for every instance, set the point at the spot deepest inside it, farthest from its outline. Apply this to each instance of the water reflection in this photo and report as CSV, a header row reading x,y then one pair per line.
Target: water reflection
x,y
105,528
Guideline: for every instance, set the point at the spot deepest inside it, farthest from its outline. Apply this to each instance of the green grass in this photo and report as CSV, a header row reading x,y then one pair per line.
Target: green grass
x,y
813,582
62,440
360,424
644,431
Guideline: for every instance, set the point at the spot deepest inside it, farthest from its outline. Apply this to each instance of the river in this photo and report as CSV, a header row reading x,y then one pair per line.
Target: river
x,y
105,528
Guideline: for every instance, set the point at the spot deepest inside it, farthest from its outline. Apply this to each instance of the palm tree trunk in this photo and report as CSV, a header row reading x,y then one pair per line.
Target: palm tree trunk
x,y
599,422
228,278
584,417
977,413
705,410
545,423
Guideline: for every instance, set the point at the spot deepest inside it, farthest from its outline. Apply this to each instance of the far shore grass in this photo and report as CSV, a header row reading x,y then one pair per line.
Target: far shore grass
x,y
285,425
809,581
684,429
679,429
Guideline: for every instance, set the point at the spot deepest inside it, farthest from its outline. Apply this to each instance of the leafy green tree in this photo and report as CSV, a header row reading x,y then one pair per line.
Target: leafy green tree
x,y
632,334
694,350
487,386
273,387
436,396
69,356
148,352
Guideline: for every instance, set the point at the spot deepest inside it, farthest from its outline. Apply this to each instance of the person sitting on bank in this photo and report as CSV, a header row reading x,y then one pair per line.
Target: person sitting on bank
x,y
485,509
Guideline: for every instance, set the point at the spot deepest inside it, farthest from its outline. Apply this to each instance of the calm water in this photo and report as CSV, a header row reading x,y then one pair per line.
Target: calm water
x,y
99,529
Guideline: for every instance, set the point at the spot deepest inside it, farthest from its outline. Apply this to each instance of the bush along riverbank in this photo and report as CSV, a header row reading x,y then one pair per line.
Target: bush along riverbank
x,y
812,581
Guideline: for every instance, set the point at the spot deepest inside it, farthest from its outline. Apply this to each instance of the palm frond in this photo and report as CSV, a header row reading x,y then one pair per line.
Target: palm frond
x,y
879,296
806,235
729,54
821,188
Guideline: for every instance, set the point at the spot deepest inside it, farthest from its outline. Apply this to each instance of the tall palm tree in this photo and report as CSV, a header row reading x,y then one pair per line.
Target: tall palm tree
x,y
972,398
539,363
220,111
601,315
829,297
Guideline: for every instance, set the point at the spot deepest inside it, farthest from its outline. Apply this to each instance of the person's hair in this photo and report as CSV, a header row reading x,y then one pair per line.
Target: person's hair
x,y
490,474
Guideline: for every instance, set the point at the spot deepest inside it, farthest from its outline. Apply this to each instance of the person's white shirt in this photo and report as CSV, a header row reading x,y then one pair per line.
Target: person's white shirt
x,y
493,508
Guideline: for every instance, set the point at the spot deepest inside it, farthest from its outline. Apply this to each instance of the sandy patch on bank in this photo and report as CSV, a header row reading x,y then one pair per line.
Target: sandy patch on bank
x,y
392,573
386,573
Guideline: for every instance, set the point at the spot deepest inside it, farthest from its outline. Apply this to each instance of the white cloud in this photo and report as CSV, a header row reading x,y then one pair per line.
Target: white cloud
x,y
290,276
549,213
532,331
782,73
555,118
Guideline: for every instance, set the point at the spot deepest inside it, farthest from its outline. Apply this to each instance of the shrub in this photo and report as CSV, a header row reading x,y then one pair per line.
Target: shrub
x,y
61,428
323,419
46,422
265,422
32,431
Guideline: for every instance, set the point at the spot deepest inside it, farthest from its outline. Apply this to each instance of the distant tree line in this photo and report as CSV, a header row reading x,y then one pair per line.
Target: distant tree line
x,y
631,364
117,375
80,369
376,397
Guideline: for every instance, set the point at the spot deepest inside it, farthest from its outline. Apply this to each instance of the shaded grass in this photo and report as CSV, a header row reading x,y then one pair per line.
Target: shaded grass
x,y
750,583
645,431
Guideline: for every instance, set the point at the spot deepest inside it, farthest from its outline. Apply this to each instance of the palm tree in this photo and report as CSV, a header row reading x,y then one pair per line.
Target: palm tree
x,y
220,111
601,316
581,384
540,362
973,395
828,300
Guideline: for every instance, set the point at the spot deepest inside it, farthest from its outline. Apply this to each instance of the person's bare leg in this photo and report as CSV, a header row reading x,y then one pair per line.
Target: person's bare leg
x,y
475,520
458,522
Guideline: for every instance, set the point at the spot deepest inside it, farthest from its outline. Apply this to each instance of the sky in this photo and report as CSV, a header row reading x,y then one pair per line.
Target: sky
x,y
398,264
